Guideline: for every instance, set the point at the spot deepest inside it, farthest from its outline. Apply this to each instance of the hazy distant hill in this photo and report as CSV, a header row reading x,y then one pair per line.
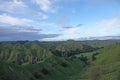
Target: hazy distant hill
x,y
100,38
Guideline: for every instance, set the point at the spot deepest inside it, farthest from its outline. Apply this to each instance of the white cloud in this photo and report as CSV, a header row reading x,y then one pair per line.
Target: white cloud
x,y
46,5
109,27
12,6
6,19
72,31
18,6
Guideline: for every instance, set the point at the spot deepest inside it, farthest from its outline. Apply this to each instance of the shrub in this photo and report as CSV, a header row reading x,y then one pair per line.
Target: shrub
x,y
64,64
45,71
84,59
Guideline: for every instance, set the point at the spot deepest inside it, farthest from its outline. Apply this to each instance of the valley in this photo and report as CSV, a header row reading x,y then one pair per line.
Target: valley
x,y
68,60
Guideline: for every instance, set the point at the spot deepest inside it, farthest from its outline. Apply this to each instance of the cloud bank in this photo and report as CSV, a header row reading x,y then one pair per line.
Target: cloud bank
x,y
7,34
6,19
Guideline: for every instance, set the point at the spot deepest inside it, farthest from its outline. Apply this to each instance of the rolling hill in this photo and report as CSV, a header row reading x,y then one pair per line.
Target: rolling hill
x,y
82,66
105,67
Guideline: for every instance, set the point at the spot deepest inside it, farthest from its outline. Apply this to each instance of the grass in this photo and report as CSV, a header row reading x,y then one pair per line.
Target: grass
x,y
105,67
58,68
53,68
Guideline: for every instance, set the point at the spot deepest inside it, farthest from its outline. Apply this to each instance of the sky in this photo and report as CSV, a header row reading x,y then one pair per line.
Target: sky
x,y
56,20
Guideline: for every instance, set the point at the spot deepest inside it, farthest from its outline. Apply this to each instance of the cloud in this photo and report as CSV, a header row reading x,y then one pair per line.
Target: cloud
x,y
67,27
108,27
20,28
111,26
20,7
31,29
79,25
72,31
50,5
46,5
10,34
39,14
63,21
6,19
12,6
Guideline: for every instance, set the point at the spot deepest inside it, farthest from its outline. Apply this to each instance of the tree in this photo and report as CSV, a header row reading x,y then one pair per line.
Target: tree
x,y
84,59
93,57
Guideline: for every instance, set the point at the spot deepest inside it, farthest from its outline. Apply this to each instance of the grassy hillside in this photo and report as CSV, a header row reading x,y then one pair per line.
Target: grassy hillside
x,y
22,52
38,61
9,71
105,67
32,52
53,68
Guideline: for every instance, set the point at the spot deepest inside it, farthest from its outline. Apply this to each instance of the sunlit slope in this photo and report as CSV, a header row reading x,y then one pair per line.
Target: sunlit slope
x,y
110,54
106,66
109,61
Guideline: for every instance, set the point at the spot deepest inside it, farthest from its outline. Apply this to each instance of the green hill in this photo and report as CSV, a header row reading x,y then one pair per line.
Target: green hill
x,y
22,52
35,61
53,68
105,67
33,52
103,64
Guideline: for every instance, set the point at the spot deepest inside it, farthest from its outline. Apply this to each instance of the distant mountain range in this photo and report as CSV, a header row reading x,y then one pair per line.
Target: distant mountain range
x,y
99,38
